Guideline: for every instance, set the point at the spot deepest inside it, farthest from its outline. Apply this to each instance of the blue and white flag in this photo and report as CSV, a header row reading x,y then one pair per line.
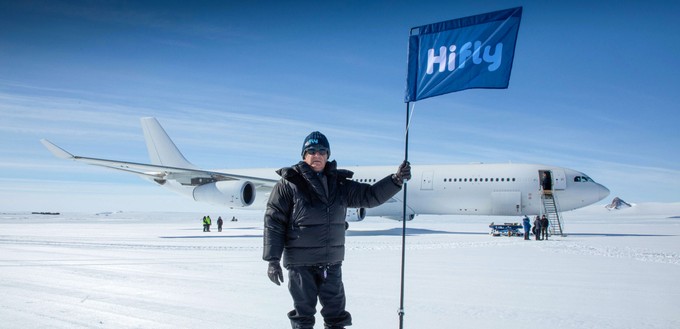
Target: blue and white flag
x,y
464,53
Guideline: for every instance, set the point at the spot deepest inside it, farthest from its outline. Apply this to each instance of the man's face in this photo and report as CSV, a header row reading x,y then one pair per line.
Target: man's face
x,y
316,158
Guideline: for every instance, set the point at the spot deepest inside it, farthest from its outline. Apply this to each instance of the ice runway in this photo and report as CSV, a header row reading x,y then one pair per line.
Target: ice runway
x,y
159,270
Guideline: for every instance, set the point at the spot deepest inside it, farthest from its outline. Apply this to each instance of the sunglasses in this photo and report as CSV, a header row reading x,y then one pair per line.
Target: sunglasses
x,y
313,151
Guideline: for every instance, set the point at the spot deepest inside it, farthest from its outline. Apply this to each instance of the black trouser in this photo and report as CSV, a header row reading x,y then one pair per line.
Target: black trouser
x,y
306,284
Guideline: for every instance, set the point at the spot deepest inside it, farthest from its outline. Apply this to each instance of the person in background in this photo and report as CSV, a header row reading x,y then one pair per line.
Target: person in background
x,y
526,223
544,227
546,183
205,224
304,226
537,228
219,224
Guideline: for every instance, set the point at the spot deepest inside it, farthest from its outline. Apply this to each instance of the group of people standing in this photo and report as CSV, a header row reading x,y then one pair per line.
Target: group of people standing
x,y
540,228
207,222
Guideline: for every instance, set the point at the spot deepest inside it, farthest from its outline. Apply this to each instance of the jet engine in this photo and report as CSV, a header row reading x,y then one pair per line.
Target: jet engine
x,y
355,215
233,193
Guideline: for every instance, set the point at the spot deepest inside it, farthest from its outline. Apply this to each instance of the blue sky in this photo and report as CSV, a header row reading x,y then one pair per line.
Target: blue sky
x,y
239,84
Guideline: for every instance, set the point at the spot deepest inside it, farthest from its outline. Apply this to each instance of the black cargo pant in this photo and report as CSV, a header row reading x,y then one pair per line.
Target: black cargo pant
x,y
309,283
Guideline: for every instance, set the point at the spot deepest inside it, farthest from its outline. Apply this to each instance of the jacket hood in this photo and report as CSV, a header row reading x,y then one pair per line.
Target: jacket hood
x,y
302,169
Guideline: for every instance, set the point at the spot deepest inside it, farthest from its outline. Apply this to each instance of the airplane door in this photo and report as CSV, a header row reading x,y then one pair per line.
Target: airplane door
x,y
559,179
426,182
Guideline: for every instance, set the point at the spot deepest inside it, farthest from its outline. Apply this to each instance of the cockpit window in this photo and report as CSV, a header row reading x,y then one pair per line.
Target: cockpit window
x,y
582,179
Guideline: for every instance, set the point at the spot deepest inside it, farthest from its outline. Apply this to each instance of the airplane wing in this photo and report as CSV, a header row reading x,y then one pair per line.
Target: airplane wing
x,y
156,172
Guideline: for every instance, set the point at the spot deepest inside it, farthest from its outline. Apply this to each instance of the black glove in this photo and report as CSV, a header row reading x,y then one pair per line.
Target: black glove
x,y
403,173
275,273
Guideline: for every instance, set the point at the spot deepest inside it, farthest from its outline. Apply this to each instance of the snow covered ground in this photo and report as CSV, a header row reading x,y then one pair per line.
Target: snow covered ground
x,y
615,269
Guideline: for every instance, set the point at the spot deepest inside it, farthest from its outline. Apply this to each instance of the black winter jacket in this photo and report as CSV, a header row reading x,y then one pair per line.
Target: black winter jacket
x,y
308,227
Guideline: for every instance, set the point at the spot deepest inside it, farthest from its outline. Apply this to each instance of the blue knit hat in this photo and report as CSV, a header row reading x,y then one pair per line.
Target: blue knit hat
x,y
315,140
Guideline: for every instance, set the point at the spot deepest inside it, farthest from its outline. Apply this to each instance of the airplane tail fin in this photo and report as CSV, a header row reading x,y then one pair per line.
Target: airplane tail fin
x,y
162,150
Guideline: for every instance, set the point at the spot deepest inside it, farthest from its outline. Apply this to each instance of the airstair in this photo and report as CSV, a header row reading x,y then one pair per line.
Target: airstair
x,y
551,211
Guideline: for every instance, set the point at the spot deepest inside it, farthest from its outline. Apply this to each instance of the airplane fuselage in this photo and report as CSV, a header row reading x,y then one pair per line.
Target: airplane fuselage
x,y
471,189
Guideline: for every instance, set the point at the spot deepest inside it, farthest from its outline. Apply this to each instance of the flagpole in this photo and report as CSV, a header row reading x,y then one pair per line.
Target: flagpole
x,y
403,228
422,82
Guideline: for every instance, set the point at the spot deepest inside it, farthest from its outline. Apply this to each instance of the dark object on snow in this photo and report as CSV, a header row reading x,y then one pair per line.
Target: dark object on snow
x,y
617,204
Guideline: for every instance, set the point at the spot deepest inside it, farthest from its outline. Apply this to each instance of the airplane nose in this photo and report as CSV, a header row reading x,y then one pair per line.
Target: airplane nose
x,y
603,192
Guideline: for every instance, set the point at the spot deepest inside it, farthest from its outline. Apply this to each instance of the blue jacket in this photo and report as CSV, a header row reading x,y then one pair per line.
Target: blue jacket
x,y
526,223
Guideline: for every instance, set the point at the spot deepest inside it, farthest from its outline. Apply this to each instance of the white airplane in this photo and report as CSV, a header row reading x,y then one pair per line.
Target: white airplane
x,y
473,189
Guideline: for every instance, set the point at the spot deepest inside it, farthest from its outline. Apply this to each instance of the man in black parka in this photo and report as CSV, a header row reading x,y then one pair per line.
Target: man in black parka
x,y
305,223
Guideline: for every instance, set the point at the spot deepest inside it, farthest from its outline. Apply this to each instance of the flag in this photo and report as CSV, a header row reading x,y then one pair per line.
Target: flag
x,y
464,53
